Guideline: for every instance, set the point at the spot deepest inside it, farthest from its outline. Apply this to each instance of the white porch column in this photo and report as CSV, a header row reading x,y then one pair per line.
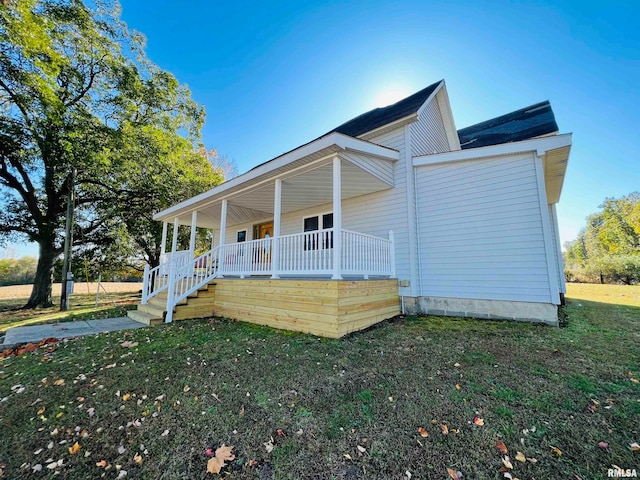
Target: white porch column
x,y
194,227
163,242
223,233
174,240
337,219
275,245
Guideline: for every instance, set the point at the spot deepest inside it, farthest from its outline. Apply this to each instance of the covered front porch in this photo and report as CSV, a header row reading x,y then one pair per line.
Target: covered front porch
x,y
281,220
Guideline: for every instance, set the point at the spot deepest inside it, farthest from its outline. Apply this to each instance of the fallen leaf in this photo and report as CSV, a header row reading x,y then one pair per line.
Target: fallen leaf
x,y
603,444
75,448
347,456
507,475
478,421
520,457
122,474
137,458
423,432
121,449
453,473
59,382
41,411
165,433
223,454
126,397
502,447
129,344
242,410
280,432
186,388
532,460
506,461
634,380
458,386
361,449
37,468
556,450
634,446
444,428
457,365
208,452
101,463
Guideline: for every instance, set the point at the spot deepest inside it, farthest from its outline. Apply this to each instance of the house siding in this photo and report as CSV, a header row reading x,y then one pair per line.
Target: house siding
x,y
481,231
428,134
557,249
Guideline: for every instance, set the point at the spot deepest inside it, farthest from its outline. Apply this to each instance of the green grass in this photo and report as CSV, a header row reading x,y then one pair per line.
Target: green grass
x,y
533,386
82,307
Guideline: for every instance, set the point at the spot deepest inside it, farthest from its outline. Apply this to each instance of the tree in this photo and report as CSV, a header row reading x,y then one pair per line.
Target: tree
x,y
76,91
608,248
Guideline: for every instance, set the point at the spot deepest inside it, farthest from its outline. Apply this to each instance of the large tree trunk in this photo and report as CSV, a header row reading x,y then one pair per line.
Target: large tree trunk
x,y
41,293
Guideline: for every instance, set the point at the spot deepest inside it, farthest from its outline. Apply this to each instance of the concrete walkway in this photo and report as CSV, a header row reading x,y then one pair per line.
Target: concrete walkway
x,y
35,333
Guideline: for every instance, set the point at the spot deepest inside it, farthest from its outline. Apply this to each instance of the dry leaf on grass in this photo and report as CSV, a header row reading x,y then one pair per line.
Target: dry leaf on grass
x,y
361,449
506,461
223,454
423,432
502,447
454,474
520,457
59,382
556,450
478,421
75,448
129,344
444,428
269,445
634,446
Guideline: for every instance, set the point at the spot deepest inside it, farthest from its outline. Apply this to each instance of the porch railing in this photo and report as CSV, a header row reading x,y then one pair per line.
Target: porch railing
x,y
308,253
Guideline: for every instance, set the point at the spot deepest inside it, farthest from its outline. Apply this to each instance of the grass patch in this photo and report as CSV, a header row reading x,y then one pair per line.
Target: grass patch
x,y
318,399
82,307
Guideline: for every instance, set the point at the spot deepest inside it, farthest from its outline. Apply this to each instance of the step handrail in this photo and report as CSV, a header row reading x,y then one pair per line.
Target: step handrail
x,y
188,278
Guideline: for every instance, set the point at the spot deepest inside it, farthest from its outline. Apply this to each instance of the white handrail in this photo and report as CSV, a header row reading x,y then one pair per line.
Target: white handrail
x,y
187,278
155,279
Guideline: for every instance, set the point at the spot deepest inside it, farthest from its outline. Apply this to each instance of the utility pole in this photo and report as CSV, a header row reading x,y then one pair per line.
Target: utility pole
x,y
68,241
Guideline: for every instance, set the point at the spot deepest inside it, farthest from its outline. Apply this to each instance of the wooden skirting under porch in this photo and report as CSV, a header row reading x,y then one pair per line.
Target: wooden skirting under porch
x,y
328,308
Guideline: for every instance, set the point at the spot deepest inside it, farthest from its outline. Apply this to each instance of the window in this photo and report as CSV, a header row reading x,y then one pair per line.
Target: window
x,y
311,224
241,236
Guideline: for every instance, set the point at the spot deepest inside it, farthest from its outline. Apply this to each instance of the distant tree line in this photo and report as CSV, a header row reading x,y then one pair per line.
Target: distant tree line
x,y
607,250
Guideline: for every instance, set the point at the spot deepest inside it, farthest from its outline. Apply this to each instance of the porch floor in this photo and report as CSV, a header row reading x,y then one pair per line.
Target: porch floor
x,y
328,308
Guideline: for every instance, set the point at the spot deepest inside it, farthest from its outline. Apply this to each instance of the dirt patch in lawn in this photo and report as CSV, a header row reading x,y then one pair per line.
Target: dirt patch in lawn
x,y
82,288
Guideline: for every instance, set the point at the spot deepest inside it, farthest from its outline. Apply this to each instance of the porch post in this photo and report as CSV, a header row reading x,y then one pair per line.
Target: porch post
x,y
174,240
223,233
163,242
337,219
277,213
192,239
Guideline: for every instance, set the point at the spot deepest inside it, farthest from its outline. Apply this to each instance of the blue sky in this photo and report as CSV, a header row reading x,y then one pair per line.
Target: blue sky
x,y
274,75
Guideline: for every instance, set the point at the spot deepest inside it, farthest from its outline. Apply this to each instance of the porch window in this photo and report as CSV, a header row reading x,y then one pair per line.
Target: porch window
x,y
241,236
311,224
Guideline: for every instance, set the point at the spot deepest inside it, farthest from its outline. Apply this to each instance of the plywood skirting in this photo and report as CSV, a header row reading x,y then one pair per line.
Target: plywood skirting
x,y
328,308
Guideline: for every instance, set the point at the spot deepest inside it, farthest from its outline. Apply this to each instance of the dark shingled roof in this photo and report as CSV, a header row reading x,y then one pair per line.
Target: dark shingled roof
x,y
379,117
528,122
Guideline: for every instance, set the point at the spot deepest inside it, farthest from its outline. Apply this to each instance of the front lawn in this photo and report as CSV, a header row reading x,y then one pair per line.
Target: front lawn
x,y
295,406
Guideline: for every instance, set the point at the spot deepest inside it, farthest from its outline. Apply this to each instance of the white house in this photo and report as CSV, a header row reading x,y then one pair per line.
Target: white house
x,y
396,205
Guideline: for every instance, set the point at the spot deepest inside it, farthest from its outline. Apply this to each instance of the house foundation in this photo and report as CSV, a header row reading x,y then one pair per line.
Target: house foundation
x,y
487,309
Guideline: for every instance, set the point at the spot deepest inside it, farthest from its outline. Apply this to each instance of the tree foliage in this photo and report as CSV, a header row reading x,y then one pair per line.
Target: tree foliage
x,y
608,248
77,92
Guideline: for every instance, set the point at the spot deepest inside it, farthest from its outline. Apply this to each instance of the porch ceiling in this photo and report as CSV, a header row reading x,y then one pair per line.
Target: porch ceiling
x,y
314,186
307,181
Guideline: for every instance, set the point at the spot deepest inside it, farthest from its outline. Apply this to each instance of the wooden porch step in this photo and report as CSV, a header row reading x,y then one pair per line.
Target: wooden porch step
x,y
144,317
153,309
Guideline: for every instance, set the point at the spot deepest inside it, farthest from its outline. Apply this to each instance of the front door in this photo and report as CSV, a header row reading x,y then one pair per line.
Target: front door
x,y
262,254
263,230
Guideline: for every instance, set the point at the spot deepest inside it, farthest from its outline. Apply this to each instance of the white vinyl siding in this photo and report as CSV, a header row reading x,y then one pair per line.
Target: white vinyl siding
x,y
428,134
480,230
382,169
557,249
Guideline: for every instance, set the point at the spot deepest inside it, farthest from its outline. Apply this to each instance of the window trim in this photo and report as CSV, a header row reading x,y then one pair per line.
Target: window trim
x,y
329,242
246,238
319,215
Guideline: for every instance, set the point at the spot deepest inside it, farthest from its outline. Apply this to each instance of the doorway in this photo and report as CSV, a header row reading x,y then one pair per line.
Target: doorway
x,y
262,230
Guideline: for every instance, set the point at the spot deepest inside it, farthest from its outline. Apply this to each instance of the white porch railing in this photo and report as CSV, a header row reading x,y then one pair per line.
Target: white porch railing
x,y
304,254
155,279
